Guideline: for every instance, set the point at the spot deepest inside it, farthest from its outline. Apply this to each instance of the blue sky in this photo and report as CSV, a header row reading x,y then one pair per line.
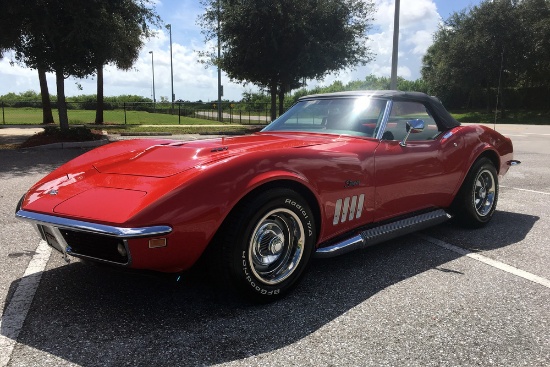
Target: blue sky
x,y
192,81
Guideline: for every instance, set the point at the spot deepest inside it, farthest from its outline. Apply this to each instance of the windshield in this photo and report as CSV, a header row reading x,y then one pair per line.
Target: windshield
x,y
351,116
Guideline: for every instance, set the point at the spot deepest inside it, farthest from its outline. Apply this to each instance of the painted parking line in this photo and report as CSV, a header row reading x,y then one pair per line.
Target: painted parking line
x,y
533,191
16,311
484,259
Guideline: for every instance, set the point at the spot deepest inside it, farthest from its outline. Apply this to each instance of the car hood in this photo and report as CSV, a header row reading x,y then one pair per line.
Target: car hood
x,y
115,182
134,175
170,158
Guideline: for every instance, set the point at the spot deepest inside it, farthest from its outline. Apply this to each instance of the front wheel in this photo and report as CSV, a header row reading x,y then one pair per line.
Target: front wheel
x,y
266,243
477,199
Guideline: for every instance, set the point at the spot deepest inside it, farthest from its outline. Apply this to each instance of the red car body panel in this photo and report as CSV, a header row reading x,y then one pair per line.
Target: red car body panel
x,y
193,186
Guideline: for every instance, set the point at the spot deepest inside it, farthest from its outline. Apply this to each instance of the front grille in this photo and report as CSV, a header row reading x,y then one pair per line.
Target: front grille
x,y
94,246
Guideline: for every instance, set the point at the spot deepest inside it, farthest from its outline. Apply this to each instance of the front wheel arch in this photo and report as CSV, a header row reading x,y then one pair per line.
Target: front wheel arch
x,y
299,188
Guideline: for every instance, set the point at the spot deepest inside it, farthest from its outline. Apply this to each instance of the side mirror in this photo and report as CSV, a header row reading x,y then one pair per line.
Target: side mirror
x,y
413,126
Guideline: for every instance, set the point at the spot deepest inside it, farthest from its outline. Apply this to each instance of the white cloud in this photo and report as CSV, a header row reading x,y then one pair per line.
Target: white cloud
x,y
420,41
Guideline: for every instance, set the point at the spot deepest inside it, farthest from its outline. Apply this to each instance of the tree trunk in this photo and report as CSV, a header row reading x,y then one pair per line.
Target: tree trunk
x,y
99,106
281,100
47,116
61,102
273,91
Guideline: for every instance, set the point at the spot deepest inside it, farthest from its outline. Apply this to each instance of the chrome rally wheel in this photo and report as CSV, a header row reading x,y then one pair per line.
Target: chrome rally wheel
x,y
476,201
266,244
484,192
276,246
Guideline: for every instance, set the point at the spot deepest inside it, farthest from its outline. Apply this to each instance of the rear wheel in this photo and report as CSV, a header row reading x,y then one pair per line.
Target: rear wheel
x,y
266,243
477,199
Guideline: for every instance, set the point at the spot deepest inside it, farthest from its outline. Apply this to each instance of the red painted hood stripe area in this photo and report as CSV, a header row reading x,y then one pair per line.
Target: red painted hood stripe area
x,y
155,161
169,159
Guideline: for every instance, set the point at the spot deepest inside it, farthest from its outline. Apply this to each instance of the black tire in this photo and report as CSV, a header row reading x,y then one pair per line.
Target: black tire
x,y
477,199
265,245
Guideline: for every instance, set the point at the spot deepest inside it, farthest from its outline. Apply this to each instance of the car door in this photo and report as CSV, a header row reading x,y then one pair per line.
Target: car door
x,y
418,175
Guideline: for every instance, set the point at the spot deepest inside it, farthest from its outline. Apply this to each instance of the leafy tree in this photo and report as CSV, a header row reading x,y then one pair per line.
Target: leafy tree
x,y
77,37
12,29
55,38
497,43
127,22
275,44
535,16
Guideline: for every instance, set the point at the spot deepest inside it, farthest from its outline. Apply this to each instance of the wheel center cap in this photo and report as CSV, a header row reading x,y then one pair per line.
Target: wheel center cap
x,y
276,246
482,193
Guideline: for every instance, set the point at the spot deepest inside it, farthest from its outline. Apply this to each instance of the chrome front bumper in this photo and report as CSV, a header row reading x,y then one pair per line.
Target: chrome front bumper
x,y
102,229
98,242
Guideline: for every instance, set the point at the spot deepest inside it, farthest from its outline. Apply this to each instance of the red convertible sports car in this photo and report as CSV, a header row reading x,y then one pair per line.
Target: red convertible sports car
x,y
336,172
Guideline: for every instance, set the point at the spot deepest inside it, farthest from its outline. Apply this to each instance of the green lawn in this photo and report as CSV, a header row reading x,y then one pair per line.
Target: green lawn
x,y
511,117
33,116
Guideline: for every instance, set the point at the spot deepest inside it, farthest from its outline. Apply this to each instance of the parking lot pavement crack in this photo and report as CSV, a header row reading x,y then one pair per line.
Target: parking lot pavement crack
x,y
488,261
16,311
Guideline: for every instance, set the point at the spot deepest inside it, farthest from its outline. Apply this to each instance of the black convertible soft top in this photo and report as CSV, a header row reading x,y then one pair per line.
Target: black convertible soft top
x,y
440,114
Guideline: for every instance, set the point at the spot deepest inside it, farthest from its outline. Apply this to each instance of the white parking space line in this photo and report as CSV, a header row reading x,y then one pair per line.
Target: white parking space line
x,y
533,191
494,263
537,134
16,311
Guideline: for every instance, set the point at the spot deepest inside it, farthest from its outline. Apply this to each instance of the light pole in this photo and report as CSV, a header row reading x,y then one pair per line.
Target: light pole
x,y
220,87
153,68
393,83
169,27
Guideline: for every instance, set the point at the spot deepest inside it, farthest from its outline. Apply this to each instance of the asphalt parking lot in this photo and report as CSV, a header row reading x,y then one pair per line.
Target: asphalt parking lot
x,y
444,297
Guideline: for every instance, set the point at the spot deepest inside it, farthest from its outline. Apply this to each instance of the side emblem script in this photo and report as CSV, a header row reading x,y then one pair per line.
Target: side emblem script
x,y
350,183
53,192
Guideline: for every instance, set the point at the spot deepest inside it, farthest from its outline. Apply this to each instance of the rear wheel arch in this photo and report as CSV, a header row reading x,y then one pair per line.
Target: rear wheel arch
x,y
492,156
489,154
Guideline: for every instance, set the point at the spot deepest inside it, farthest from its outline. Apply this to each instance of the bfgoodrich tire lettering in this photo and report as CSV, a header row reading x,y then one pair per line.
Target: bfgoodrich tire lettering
x,y
266,244
478,196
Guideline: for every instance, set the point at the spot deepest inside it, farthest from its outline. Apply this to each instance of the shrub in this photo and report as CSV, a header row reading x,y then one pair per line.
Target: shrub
x,y
79,133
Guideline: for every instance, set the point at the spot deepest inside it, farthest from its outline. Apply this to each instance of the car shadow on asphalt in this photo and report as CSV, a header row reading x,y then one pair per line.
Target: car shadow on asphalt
x,y
91,316
506,228
21,162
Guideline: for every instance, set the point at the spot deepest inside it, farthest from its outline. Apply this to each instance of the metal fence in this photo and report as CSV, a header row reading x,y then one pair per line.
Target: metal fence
x,y
30,112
